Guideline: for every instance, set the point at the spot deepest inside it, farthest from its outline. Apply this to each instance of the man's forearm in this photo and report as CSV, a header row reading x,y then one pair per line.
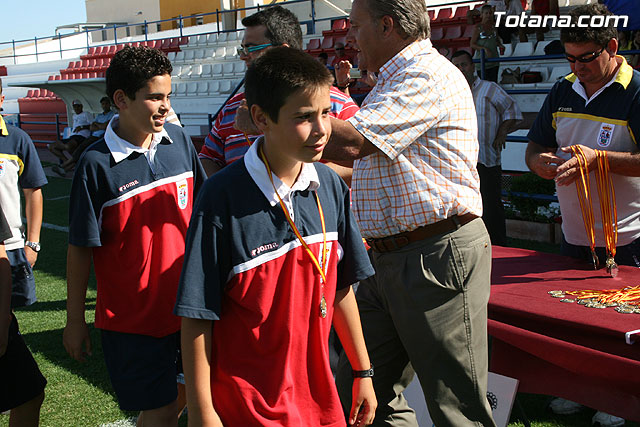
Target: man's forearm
x,y
33,210
78,268
346,143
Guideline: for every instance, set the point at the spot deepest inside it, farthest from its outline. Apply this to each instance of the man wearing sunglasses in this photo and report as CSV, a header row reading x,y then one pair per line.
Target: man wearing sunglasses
x,y
597,107
232,132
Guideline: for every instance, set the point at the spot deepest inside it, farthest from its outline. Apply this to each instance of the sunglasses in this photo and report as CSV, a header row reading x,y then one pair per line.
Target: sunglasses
x,y
246,50
584,58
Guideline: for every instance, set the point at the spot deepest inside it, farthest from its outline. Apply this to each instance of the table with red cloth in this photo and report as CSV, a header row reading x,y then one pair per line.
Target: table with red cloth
x,y
563,349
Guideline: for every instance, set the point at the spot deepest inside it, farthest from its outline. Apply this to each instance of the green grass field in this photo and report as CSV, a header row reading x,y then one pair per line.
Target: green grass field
x,y
79,394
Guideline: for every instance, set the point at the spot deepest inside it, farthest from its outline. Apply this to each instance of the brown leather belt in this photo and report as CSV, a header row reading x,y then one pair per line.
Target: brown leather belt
x,y
397,241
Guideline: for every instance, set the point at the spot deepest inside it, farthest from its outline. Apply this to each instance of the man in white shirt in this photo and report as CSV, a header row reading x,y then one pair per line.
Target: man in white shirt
x,y
81,130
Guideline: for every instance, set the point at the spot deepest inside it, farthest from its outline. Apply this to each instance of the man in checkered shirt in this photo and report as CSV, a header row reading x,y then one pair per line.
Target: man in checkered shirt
x,y
416,195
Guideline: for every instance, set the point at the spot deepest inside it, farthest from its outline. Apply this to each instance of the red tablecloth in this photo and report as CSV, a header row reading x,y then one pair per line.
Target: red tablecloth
x,y
563,349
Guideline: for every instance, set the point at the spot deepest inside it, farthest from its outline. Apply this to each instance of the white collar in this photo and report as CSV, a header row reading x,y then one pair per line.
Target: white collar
x,y
308,178
580,90
121,149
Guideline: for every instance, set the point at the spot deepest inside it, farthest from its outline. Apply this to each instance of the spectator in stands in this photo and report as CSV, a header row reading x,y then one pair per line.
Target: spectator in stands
x,y
21,385
544,8
635,60
324,59
498,114
597,108
81,130
341,54
485,39
97,129
232,134
255,323
416,193
131,201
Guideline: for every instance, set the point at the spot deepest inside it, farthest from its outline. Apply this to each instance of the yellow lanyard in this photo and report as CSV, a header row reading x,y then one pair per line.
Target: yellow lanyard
x,y
319,265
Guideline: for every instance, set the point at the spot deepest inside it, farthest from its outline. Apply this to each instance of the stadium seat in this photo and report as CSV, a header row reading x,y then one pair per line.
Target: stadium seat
x,y
203,88
432,15
239,68
196,71
327,44
189,55
220,52
508,50
214,87
212,39
171,56
222,37
460,15
227,69
314,44
193,41
181,89
179,56
192,88
454,32
523,49
202,40
206,71
216,70
232,36
444,14
209,53
198,54
540,47
225,86
558,72
437,33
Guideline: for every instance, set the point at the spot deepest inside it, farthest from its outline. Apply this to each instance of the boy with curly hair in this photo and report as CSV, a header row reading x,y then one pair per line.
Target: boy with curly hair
x,y
131,201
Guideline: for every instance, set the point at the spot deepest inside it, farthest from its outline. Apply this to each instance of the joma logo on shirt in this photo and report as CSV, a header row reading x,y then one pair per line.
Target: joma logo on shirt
x,y
260,249
129,185
567,109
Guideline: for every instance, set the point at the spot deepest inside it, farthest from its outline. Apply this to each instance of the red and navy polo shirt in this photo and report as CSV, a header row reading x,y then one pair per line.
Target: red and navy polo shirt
x,y
245,269
135,216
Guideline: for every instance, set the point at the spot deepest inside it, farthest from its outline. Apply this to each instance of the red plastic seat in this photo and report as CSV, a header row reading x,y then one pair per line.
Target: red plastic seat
x,y
339,24
432,15
452,33
327,44
314,44
461,14
444,14
437,33
468,32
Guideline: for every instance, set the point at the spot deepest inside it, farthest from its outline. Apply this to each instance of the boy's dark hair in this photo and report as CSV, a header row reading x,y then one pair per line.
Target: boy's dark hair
x,y
282,26
461,52
280,72
581,34
132,67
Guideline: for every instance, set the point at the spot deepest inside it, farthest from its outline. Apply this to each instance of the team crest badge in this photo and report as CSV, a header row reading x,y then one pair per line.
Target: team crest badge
x,y
183,193
2,166
605,135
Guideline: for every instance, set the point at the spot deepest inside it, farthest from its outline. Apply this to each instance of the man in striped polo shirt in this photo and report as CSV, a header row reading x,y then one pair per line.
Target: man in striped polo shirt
x,y
273,26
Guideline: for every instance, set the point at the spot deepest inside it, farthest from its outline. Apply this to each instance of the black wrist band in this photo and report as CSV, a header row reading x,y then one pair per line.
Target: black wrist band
x,y
363,374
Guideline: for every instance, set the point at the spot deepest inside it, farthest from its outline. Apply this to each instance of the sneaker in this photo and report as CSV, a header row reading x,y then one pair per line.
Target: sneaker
x,y
562,406
59,170
607,420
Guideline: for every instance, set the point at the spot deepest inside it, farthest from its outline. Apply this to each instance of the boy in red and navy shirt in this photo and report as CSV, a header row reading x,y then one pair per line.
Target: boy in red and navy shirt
x,y
272,251
131,201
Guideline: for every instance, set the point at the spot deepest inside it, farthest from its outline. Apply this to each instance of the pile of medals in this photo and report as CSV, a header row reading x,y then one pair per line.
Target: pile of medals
x,y
625,300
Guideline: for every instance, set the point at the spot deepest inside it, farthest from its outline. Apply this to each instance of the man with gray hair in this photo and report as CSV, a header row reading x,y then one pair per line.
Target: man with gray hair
x,y
416,195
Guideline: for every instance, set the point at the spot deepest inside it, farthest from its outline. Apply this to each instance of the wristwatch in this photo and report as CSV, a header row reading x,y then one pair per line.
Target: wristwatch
x,y
367,373
33,245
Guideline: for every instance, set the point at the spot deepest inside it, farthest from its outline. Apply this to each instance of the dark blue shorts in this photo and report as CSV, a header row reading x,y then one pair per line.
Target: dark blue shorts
x,y
143,369
23,292
21,379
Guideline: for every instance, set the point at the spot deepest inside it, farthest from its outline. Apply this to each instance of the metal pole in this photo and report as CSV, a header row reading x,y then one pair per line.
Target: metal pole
x,y
86,30
313,17
180,22
13,43
146,30
35,40
60,44
115,34
57,126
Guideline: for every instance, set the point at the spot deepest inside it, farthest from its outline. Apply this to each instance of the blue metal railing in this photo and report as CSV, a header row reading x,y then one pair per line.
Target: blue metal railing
x,y
15,44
